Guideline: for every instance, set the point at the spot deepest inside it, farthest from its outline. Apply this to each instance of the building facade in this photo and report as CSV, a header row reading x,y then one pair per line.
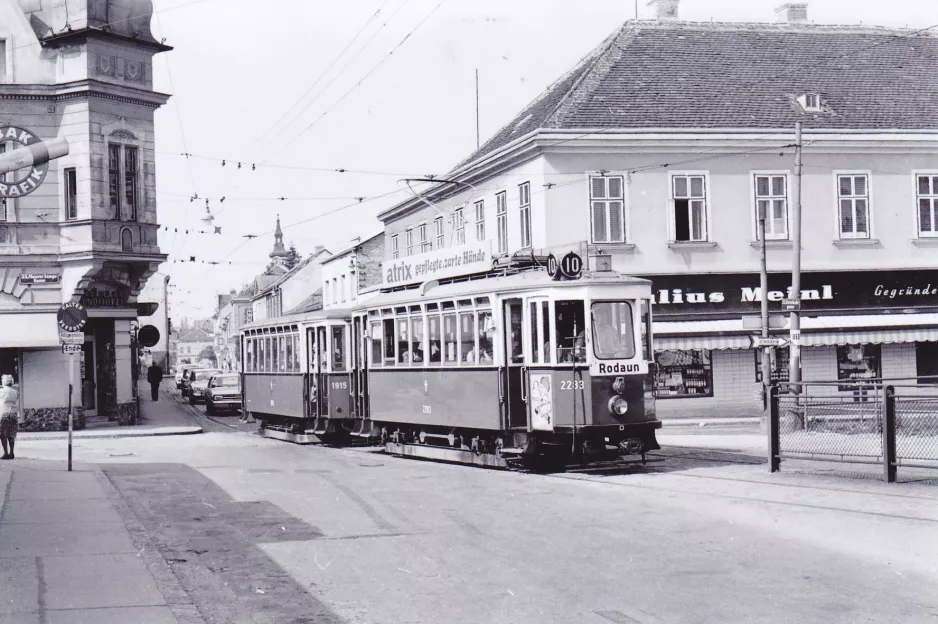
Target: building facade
x,y
79,70
352,274
622,159
153,310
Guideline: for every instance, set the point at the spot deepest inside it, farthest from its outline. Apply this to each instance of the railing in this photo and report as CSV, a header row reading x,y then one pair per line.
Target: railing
x,y
892,422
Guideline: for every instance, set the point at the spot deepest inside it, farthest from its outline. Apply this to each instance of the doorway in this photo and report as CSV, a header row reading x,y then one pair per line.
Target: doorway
x,y
89,385
514,371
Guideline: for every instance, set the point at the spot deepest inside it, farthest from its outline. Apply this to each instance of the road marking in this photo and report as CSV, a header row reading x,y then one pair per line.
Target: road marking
x,y
637,617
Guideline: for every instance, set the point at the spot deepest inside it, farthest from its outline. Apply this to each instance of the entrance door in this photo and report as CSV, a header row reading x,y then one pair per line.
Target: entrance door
x,y
514,371
89,386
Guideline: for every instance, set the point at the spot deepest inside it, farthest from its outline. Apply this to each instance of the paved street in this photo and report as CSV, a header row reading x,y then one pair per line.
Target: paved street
x,y
255,530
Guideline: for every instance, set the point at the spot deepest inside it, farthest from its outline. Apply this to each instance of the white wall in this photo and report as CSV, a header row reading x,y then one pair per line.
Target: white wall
x,y
302,283
44,380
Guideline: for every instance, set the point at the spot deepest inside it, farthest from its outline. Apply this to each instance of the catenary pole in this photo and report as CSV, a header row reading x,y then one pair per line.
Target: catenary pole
x,y
71,383
795,296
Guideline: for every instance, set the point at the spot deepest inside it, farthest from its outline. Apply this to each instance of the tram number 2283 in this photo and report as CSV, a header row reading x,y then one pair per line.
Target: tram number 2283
x,y
572,384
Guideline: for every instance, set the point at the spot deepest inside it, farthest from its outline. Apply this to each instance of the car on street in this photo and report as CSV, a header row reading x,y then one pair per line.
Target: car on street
x,y
181,375
223,393
196,381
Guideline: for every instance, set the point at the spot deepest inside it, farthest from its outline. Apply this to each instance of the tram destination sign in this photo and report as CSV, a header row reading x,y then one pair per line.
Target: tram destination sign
x,y
438,264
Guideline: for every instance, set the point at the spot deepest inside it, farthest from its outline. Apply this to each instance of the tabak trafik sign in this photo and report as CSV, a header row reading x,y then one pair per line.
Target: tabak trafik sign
x,y
24,162
729,294
439,264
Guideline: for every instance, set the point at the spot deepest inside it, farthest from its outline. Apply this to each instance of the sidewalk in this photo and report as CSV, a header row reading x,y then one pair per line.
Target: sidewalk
x,y
72,552
157,418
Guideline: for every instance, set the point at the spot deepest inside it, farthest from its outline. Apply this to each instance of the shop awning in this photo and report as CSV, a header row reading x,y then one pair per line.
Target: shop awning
x,y
29,331
815,331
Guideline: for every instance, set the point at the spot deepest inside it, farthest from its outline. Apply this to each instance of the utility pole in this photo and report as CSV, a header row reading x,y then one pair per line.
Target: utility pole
x,y
477,109
764,284
794,366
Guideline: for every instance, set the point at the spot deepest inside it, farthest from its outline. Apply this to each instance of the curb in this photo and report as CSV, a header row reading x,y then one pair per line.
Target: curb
x,y
708,422
86,435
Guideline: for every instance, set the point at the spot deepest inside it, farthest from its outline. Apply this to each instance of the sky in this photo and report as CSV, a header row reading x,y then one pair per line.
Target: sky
x,y
297,90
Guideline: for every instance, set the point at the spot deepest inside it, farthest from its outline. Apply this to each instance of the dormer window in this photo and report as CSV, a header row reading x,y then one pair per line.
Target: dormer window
x,y
810,102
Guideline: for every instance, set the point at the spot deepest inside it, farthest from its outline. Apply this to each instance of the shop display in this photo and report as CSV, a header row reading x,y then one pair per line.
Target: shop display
x,y
684,374
856,363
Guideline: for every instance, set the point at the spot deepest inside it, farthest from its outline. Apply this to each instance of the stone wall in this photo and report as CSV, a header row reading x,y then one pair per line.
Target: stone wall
x,y
51,419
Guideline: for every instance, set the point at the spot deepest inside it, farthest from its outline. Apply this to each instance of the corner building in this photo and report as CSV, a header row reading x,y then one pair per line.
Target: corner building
x,y
79,70
657,152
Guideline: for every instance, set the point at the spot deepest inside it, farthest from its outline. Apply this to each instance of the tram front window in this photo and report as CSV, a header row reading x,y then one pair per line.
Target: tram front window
x,y
613,335
570,321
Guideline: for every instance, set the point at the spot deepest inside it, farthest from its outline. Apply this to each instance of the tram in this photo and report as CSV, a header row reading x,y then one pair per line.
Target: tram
x,y
509,369
301,379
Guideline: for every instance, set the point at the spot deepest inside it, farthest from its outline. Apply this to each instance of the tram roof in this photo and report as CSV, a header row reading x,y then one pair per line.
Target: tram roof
x,y
487,284
305,317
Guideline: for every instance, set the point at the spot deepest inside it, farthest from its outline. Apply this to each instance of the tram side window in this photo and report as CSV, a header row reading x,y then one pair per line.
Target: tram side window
x,y
486,328
540,332
416,333
403,341
449,339
289,353
296,354
516,351
436,353
275,354
570,321
389,343
248,354
376,343
467,338
261,354
338,349
283,353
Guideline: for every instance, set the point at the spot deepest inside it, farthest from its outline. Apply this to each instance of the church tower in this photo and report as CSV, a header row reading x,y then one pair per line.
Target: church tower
x,y
279,252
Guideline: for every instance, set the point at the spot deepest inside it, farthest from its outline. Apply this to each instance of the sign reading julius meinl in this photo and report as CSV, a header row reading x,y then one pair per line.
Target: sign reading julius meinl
x,y
729,294
438,264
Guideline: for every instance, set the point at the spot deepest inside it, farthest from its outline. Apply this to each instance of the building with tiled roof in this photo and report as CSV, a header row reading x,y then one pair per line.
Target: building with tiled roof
x,y
658,152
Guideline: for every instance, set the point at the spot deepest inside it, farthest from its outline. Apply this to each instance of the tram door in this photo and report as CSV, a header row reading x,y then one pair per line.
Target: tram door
x,y
311,351
514,371
359,368
322,365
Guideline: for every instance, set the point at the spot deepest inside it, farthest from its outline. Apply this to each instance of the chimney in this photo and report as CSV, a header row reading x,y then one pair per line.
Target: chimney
x,y
664,9
317,249
792,13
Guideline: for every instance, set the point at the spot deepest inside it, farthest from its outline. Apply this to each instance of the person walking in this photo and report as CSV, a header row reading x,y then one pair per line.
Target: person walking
x,y
9,415
155,376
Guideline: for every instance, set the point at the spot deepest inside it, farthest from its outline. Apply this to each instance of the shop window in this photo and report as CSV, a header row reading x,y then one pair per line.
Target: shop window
x,y
570,319
856,363
779,361
684,373
926,360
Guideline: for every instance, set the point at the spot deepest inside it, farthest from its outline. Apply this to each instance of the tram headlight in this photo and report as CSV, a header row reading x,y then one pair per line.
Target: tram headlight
x,y
618,406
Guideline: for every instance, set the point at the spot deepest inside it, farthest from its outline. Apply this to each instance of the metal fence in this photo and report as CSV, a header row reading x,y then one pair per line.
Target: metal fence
x,y
893,422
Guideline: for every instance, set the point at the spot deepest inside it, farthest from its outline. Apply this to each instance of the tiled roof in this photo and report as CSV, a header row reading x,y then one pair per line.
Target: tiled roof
x,y
310,304
693,75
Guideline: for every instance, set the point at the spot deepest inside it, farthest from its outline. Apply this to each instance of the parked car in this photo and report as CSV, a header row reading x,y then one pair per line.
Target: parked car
x,y
198,382
223,393
181,375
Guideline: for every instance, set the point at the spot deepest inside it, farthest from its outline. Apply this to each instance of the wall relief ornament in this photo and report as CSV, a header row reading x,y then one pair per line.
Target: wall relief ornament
x,y
106,64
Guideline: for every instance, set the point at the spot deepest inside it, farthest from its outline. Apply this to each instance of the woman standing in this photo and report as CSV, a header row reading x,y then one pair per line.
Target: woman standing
x,y
9,415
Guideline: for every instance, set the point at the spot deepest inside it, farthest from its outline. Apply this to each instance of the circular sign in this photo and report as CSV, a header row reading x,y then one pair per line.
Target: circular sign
x,y
571,266
72,317
552,266
148,336
28,178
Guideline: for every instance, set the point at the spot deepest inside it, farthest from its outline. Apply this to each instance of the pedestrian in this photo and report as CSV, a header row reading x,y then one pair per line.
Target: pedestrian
x,y
155,376
9,415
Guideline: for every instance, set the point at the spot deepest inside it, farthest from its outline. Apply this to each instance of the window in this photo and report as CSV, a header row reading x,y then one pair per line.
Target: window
x,y
4,177
71,193
127,240
687,373
926,360
130,182
540,332
395,248
338,349
856,363
853,199
376,347
927,193
607,209
409,241
689,197
342,288
114,180
3,60
501,212
569,321
435,355
810,102
460,225
438,231
772,204
422,235
480,220
613,335
779,361
524,196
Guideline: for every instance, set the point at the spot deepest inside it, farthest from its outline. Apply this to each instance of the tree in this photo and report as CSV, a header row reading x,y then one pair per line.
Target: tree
x,y
208,353
293,259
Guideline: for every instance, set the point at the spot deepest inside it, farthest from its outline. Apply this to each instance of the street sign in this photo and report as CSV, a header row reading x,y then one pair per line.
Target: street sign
x,y
791,305
776,321
72,317
759,342
148,336
72,338
71,349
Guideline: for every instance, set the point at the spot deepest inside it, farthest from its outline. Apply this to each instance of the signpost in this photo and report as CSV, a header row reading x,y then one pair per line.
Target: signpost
x,y
760,342
72,318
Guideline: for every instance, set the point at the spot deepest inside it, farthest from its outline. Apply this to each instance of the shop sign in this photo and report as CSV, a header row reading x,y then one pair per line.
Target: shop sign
x,y
439,264
98,297
40,278
739,293
23,177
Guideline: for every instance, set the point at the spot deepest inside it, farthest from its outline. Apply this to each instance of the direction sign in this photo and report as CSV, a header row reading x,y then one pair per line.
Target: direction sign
x,y
72,338
759,342
776,321
71,349
72,316
791,305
